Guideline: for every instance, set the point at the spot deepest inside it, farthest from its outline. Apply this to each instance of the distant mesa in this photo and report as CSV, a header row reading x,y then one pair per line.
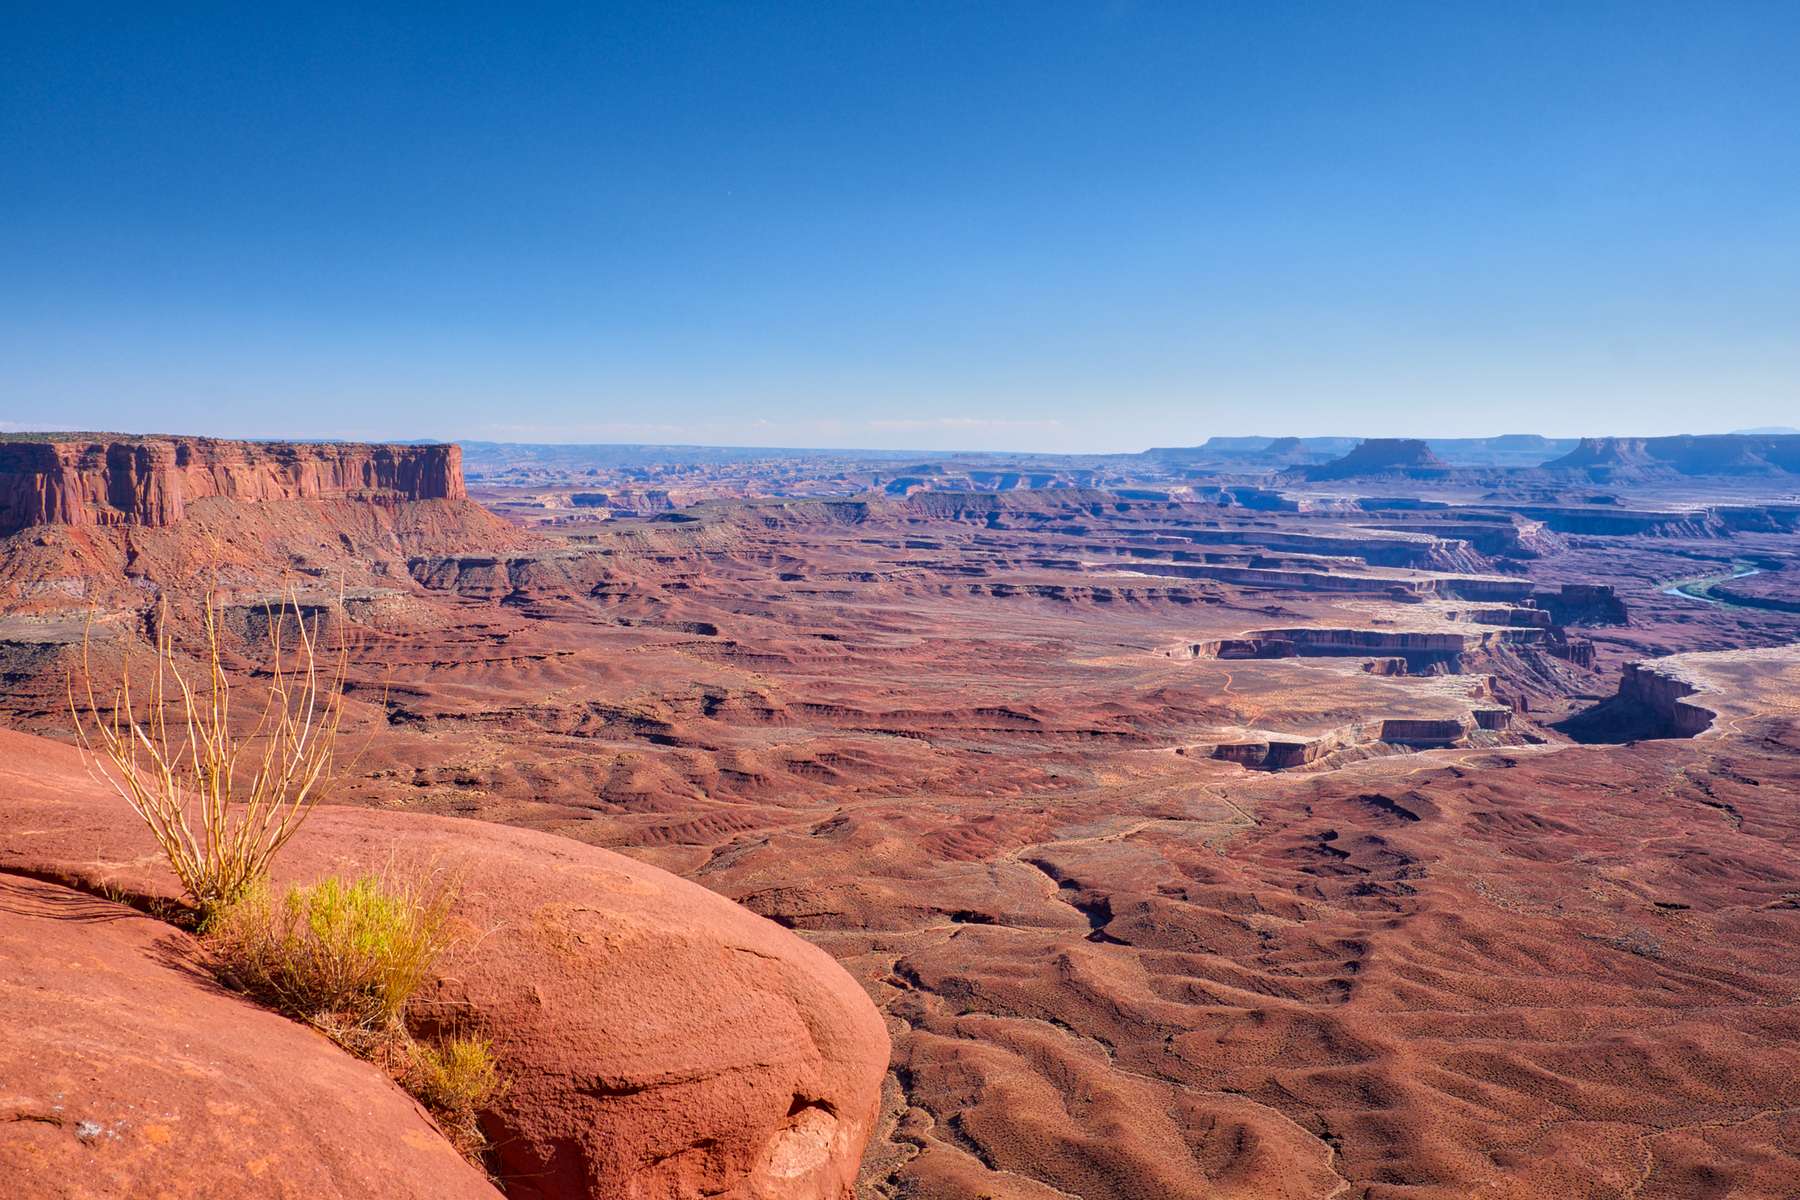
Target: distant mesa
x,y
1604,452
1408,457
106,480
107,514
1506,450
1687,454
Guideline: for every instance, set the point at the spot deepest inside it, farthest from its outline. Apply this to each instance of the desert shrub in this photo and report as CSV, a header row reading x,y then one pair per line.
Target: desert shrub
x,y
453,1078
345,955
458,1072
221,798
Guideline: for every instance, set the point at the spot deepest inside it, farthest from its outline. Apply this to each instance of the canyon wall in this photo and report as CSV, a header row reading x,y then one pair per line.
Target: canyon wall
x,y
1660,688
1583,604
150,480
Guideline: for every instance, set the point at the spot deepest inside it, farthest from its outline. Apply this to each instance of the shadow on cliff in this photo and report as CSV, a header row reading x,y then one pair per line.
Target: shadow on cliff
x,y
1615,721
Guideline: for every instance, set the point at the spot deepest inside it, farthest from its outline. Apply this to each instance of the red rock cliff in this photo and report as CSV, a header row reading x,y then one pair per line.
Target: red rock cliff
x,y
147,481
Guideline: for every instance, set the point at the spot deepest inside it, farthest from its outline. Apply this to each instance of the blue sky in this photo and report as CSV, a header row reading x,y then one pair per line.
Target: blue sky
x,y
1093,226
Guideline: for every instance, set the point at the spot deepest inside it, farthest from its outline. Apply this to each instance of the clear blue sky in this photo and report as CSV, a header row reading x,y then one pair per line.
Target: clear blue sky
x,y
1044,226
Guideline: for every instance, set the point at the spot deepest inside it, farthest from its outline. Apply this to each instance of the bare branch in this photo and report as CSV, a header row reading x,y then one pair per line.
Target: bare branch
x,y
175,780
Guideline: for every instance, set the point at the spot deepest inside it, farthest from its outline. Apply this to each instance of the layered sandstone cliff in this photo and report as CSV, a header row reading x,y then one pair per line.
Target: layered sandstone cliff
x,y
85,480
1692,693
1701,693
1663,689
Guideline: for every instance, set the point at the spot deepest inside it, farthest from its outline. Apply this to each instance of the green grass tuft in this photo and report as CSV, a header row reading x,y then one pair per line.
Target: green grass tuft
x,y
454,1078
347,956
343,954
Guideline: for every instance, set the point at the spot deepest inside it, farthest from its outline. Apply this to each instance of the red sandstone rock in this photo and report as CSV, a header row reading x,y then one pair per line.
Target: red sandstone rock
x,y
126,1072
149,481
661,1040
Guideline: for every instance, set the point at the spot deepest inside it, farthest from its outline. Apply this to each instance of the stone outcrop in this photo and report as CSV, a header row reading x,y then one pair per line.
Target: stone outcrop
x,y
1239,648
1422,651
1780,517
1660,687
1715,454
1497,535
1407,457
1407,548
1604,520
1453,587
125,1071
661,1041
149,481
1583,604
1701,693
1488,723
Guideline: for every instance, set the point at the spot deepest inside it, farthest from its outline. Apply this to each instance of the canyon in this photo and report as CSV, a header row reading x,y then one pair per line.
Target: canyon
x,y
1280,818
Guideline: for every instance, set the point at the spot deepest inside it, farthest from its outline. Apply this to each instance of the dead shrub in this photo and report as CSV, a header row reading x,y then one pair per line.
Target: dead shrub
x,y
221,801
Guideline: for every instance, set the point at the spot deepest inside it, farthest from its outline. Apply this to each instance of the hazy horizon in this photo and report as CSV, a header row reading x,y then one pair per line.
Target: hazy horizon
x,y
7,427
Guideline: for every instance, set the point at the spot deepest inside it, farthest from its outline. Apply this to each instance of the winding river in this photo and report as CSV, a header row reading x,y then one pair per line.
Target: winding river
x,y
1701,588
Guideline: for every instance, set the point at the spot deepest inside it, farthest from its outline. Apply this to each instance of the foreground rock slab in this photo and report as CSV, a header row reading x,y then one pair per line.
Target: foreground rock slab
x,y
661,1041
125,1071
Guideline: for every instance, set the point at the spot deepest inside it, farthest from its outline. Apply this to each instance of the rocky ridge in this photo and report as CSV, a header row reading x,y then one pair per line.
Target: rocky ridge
x,y
1604,458
1410,457
150,481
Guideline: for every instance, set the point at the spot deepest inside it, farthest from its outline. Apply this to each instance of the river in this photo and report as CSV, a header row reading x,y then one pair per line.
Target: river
x,y
1700,588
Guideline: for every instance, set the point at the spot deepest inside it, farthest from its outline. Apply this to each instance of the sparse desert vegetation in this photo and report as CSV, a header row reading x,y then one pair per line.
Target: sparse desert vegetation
x,y
347,956
1141,754
453,1078
220,798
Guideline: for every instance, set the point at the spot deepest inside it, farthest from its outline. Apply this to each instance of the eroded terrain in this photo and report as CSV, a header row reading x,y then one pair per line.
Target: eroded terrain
x,y
1205,840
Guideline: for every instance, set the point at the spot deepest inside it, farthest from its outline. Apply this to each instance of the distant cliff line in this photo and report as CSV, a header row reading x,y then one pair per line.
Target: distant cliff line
x,y
108,480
